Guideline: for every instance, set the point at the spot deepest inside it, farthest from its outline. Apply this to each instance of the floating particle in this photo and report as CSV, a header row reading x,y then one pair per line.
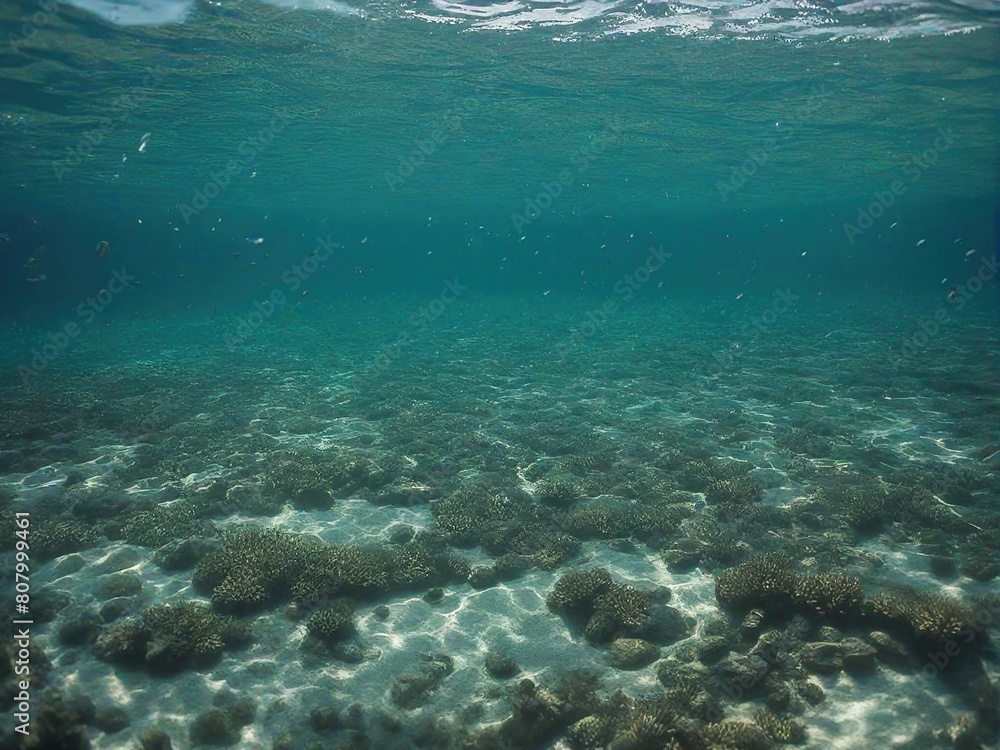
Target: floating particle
x,y
143,142
140,221
124,158
255,240
921,243
953,292
102,249
236,255
253,174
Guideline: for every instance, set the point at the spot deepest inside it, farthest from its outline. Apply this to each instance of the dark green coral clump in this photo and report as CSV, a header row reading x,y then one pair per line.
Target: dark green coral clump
x,y
168,637
557,492
722,481
536,537
251,567
828,592
768,580
610,518
158,525
258,567
54,539
609,609
764,579
932,618
313,479
333,622
470,512
575,592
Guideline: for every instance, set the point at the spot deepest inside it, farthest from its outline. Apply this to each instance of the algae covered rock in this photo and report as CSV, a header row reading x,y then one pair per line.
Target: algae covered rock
x,y
632,653
214,726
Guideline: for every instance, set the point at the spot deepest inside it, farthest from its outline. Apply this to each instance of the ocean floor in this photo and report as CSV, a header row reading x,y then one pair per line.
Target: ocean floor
x,y
798,513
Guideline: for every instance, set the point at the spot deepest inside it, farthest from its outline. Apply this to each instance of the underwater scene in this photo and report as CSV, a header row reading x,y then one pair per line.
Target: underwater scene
x,y
500,374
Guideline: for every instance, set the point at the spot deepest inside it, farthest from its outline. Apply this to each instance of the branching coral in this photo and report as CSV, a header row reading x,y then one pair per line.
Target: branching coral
x,y
166,637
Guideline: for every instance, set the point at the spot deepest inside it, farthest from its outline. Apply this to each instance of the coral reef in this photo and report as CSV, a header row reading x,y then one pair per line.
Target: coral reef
x,y
51,539
168,637
334,622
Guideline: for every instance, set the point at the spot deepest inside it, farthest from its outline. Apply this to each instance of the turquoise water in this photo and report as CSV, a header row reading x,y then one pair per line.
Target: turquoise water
x,y
517,375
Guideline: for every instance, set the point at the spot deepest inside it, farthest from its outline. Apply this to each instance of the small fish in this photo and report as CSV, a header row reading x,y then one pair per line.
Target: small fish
x,y
103,248
953,292
969,253
921,243
35,270
255,240
236,255
142,144
740,295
